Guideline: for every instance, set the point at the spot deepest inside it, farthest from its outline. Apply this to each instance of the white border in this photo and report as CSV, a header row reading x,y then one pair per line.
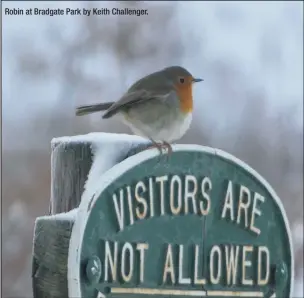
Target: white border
x,y
119,169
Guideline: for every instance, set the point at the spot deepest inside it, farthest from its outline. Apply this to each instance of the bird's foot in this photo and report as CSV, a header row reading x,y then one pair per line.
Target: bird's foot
x,y
160,146
168,146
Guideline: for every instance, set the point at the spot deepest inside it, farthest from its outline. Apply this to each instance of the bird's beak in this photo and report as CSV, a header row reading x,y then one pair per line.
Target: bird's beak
x,y
196,80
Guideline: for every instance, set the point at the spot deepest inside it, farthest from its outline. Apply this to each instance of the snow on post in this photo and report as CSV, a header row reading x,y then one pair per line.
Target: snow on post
x,y
76,163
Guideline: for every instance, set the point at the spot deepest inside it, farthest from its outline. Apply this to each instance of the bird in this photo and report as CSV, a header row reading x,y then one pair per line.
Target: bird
x,y
157,107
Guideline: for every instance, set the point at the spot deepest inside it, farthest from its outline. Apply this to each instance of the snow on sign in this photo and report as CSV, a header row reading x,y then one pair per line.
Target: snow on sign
x,y
201,223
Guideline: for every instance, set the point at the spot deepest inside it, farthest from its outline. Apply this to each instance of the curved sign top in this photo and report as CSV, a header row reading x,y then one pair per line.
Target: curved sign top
x,y
200,223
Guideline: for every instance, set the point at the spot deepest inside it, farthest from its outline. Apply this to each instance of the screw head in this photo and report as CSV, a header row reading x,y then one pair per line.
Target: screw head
x,y
94,270
281,276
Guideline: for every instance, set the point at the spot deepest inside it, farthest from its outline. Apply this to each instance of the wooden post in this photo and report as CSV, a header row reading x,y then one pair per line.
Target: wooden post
x,y
71,162
50,249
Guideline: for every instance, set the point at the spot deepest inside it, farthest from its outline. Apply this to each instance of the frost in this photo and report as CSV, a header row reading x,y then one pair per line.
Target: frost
x,y
71,215
108,150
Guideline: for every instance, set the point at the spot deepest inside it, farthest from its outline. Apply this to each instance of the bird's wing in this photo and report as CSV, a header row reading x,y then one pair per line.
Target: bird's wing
x,y
136,97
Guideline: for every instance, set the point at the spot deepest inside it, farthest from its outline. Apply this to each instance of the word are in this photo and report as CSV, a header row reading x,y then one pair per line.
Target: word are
x,y
247,207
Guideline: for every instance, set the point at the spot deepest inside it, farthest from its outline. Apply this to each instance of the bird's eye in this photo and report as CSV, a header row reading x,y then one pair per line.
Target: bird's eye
x,y
182,80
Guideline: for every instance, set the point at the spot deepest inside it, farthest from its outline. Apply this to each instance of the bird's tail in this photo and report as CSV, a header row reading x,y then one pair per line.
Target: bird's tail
x,y
84,110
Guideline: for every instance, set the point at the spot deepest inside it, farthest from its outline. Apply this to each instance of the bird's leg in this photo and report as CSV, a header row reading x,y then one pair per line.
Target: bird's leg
x,y
159,146
168,146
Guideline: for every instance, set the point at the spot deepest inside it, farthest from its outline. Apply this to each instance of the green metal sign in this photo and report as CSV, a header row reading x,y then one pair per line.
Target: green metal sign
x,y
200,223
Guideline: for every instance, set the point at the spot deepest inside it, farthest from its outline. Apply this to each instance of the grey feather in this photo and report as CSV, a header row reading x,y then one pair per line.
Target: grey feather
x,y
133,98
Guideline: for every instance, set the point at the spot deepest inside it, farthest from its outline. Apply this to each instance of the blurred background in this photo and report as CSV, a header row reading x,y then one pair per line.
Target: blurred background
x,y
250,55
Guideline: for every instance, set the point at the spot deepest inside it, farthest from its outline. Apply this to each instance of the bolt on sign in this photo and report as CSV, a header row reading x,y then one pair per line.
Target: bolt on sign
x,y
200,223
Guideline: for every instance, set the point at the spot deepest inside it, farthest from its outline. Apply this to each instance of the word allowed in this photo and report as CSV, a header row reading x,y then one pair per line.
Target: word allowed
x,y
227,265
183,195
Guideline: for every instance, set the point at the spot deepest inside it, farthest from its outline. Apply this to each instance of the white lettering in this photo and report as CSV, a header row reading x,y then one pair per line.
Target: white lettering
x,y
256,211
140,188
244,205
169,266
162,181
215,251
127,250
246,263
176,181
190,194
182,280
263,250
197,281
231,263
119,209
112,261
142,247
206,186
228,205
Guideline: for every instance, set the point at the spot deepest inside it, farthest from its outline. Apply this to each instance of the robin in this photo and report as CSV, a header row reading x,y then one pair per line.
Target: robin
x,y
157,107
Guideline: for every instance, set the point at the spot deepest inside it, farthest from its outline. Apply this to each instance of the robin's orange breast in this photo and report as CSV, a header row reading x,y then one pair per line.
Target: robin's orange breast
x,y
185,96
